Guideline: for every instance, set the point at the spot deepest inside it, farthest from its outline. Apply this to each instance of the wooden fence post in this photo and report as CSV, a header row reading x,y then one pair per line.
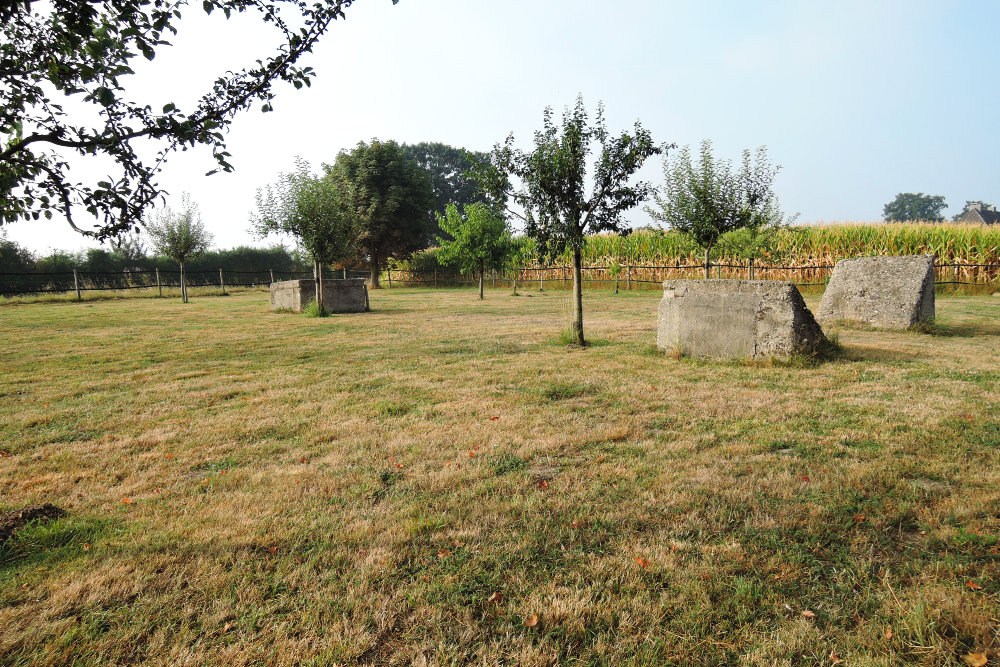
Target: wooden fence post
x,y
222,283
159,286
389,272
76,284
541,279
628,277
435,277
271,271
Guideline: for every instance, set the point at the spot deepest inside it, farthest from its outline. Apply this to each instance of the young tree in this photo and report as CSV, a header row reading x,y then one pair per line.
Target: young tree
x,y
709,200
552,190
312,210
85,51
388,196
179,235
909,207
481,239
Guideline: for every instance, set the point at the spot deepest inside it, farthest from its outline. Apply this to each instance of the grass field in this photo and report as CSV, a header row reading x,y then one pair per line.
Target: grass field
x,y
441,482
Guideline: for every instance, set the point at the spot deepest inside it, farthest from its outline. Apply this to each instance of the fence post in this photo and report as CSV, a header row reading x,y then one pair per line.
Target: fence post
x,y
345,272
271,271
435,277
159,287
628,277
222,283
541,279
389,272
76,285
494,279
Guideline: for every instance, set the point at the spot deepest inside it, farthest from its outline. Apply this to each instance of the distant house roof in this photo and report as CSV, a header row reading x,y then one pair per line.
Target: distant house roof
x,y
981,214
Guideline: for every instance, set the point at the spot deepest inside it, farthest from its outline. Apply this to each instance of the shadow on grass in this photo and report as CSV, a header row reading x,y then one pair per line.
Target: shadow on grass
x,y
42,543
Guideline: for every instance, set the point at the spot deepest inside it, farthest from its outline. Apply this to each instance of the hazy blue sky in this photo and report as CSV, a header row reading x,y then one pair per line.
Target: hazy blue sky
x,y
858,100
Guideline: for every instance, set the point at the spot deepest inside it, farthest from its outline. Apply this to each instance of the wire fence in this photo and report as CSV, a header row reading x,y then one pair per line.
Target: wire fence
x,y
643,276
624,277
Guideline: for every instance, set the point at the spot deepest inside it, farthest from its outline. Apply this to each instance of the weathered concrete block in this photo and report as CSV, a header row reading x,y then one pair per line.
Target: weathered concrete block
x,y
884,292
339,296
751,319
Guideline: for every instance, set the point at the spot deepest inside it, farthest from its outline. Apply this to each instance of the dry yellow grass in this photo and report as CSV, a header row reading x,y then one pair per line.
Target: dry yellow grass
x,y
255,488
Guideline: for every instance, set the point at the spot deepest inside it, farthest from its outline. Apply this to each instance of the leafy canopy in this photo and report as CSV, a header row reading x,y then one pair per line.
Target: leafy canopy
x,y
448,169
80,54
388,195
558,209
481,238
909,206
312,210
710,199
180,234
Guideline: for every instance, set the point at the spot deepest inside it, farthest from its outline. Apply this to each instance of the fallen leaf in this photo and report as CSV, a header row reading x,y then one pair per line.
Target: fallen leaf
x,y
835,659
45,405
4,455
448,464
531,621
601,458
804,478
643,562
471,453
576,524
976,659
970,584
808,614
170,456
496,598
859,517
86,546
887,634
303,460
127,501
273,550
444,553
543,484
226,627
995,550
493,419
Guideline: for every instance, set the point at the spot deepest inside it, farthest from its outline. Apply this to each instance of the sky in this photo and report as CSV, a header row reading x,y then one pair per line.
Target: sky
x,y
856,100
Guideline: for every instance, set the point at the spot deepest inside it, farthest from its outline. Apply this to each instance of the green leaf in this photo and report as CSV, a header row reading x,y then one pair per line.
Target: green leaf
x,y
105,96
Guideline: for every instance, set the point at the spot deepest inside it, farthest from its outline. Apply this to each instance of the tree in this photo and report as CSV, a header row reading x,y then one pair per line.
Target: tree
x,y
710,200
82,52
909,206
179,235
448,169
312,210
481,239
14,258
389,196
557,211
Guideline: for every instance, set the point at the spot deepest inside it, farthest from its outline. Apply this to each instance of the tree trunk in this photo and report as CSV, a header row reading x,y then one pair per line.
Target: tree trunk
x,y
184,289
482,271
751,268
375,272
319,287
578,296
708,261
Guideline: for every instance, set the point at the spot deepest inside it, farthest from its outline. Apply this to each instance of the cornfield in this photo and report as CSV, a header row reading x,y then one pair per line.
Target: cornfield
x,y
805,254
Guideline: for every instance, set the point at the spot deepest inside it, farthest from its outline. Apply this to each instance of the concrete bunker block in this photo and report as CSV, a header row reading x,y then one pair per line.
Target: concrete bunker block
x,y
339,296
729,319
884,292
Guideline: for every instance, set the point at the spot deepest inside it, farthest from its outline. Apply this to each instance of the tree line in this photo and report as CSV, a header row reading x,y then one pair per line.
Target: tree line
x,y
133,255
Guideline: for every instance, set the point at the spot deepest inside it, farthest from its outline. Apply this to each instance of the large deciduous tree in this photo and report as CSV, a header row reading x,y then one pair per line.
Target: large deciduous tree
x,y
448,169
312,210
179,235
389,197
549,185
80,55
914,206
710,199
480,239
